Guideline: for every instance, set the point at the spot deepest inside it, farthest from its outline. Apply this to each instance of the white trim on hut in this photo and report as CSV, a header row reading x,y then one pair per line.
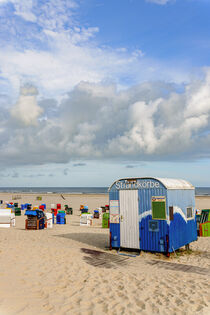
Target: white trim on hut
x,y
169,183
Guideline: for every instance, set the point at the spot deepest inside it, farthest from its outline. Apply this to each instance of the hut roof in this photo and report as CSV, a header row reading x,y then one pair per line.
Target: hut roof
x,y
169,183
173,183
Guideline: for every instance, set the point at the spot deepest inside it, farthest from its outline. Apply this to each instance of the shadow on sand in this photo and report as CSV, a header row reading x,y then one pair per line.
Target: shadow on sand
x,y
94,239
103,259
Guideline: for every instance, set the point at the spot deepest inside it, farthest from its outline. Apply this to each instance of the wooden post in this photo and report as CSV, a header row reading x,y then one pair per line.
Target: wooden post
x,y
187,247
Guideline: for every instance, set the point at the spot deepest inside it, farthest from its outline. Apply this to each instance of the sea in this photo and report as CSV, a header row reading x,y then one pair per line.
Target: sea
x,y
77,190
56,190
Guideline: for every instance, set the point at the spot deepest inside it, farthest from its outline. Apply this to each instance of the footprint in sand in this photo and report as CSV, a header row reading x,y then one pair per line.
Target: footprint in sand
x,y
121,287
178,302
141,304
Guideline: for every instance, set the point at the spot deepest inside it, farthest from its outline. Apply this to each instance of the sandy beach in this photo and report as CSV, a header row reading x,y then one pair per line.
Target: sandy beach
x,y
202,202
70,270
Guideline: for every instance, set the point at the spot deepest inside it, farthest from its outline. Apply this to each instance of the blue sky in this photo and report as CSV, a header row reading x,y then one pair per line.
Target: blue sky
x,y
172,32
95,90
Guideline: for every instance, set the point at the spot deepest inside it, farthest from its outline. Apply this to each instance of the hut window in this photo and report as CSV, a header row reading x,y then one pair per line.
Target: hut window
x,y
171,213
189,212
158,208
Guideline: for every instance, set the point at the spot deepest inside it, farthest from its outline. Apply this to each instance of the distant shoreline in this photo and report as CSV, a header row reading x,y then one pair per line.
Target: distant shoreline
x,y
54,190
77,191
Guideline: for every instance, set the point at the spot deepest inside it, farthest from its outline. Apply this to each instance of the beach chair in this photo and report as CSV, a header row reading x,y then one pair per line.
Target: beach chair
x,y
54,212
84,209
69,211
17,211
96,214
198,218
204,226
7,218
49,220
35,220
61,217
105,220
103,209
86,219
42,207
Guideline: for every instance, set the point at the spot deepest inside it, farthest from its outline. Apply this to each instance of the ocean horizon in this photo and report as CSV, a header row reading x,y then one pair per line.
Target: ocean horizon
x,y
77,190
56,190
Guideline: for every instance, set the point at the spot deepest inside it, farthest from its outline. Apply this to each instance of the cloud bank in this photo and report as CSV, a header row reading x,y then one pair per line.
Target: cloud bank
x,y
150,121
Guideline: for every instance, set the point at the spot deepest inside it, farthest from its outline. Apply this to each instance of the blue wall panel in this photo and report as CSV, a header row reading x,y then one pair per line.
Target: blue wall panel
x,y
114,195
115,235
182,199
114,227
151,241
181,232
145,197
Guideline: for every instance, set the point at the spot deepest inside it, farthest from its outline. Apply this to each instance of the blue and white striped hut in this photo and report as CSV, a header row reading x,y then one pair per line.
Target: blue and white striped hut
x,y
152,214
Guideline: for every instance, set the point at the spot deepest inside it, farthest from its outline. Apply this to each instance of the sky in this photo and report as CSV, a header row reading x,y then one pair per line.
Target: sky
x,y
96,90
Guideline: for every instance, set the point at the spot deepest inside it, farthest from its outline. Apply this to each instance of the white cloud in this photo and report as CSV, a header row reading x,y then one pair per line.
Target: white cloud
x,y
161,2
66,64
70,61
53,13
26,111
198,97
23,8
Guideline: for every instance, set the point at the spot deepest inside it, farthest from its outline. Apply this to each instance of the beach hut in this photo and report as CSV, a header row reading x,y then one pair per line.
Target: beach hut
x,y
152,214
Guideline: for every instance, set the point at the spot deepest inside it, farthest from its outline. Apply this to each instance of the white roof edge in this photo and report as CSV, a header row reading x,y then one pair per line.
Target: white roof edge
x,y
174,183
169,183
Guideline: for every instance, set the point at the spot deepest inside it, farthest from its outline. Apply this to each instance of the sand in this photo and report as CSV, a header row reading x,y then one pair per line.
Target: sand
x,y
202,202
69,270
